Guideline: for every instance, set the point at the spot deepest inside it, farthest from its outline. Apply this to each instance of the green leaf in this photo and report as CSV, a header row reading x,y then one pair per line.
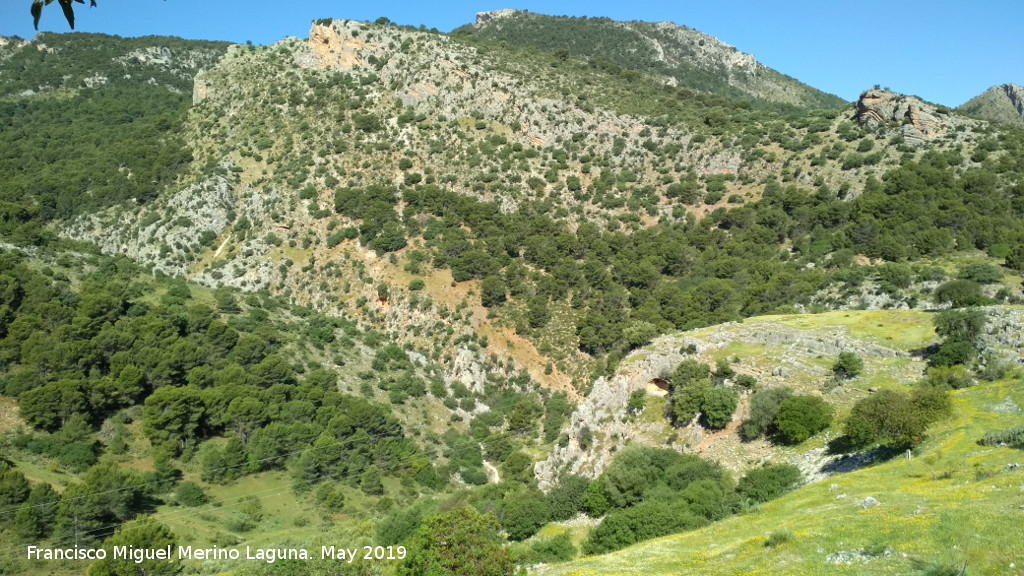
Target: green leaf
x,y
37,12
69,12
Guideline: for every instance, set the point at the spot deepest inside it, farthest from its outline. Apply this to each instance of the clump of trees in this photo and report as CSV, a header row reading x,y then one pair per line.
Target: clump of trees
x,y
693,390
649,492
785,417
961,331
894,419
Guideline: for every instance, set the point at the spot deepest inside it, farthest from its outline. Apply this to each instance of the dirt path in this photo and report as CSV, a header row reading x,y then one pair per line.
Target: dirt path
x,y
493,476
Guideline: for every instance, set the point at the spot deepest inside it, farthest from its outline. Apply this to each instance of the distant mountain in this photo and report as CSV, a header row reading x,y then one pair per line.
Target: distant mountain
x,y
690,59
999,104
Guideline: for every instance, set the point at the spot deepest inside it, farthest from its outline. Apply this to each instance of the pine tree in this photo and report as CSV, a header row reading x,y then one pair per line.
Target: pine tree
x,y
35,519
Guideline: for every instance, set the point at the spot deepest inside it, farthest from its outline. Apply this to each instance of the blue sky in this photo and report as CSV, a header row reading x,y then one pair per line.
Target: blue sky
x,y
940,50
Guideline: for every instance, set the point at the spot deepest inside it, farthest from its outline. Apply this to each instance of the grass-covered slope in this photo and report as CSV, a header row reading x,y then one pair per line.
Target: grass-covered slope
x,y
952,502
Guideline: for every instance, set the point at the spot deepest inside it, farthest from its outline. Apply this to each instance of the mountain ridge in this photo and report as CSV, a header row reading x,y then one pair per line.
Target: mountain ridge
x,y
1003,103
684,56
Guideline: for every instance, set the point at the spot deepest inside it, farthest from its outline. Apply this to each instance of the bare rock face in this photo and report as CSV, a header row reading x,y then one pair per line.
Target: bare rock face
x,y
596,428
917,120
339,46
484,17
1015,94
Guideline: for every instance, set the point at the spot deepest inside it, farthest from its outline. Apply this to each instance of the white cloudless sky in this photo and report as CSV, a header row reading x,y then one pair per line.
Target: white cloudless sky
x,y
941,50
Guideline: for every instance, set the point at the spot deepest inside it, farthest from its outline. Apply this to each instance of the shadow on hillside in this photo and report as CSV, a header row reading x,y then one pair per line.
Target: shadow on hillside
x,y
924,353
850,461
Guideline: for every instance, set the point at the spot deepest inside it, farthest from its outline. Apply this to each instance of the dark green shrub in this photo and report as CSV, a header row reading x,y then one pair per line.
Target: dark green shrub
x,y
960,293
686,401
690,469
764,407
492,291
718,407
566,499
647,520
948,378
524,512
706,498
894,419
190,494
953,353
981,273
960,325
595,501
764,484
848,365
630,475
462,541
1009,436
801,417
747,381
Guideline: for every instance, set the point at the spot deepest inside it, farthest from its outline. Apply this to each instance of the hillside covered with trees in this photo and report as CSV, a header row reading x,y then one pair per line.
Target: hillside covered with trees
x,y
508,299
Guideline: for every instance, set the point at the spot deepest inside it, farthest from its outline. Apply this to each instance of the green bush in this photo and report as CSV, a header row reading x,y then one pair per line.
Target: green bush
x,y
647,520
801,417
960,293
630,475
416,284
595,501
981,273
557,549
718,407
894,419
706,498
1009,436
190,494
686,400
960,325
848,365
764,484
524,513
948,377
492,292
689,469
953,353
566,499
764,407
637,402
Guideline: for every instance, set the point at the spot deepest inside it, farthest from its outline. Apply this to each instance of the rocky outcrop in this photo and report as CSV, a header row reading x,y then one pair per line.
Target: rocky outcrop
x,y
484,17
597,428
165,233
1016,96
339,46
917,121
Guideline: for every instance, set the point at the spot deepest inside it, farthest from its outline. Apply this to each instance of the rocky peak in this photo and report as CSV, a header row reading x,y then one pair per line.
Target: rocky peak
x,y
917,120
342,45
484,17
